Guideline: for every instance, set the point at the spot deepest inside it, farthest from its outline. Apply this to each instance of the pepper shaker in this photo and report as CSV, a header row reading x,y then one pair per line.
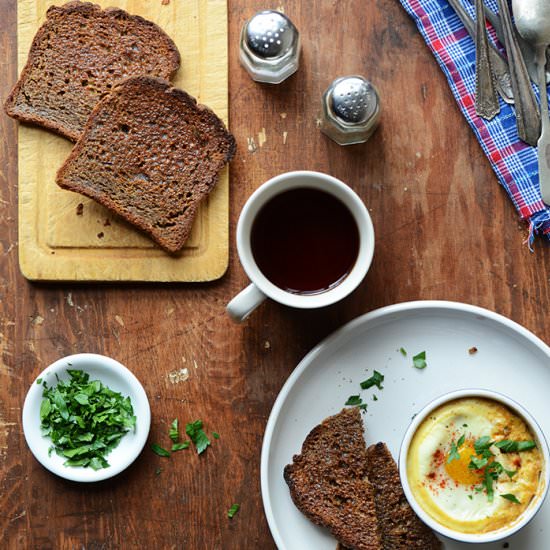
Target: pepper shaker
x,y
350,110
270,47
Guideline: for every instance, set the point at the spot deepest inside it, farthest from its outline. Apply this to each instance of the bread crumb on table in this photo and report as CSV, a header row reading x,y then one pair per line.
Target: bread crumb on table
x,y
262,138
251,145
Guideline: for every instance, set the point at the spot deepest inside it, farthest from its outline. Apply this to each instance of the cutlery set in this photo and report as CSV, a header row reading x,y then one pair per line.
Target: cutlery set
x,y
526,40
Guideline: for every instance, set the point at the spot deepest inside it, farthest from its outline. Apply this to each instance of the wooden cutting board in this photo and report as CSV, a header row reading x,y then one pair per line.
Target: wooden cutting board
x,y
56,243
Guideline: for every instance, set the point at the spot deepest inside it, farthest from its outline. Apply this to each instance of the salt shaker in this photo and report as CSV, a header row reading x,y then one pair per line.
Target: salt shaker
x,y
270,47
350,110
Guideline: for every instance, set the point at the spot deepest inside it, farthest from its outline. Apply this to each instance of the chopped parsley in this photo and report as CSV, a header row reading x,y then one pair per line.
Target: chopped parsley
x,y
375,380
233,510
484,461
39,381
354,400
509,446
174,432
374,397
180,446
403,352
419,360
454,454
84,419
198,437
161,451
511,498
215,435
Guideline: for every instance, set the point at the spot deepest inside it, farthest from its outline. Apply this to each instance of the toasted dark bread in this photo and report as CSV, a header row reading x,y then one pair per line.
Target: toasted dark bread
x,y
150,154
327,481
400,527
77,56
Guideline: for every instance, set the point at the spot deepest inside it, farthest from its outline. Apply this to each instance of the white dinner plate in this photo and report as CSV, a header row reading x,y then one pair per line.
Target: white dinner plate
x,y
509,359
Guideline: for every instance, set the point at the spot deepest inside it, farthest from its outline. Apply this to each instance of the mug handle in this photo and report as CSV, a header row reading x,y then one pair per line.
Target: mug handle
x,y
242,305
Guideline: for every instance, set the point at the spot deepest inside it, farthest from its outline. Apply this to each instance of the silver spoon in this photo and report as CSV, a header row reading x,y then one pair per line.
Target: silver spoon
x,y
533,23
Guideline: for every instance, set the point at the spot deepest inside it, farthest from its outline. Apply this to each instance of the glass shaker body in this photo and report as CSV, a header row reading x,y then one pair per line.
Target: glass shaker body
x,y
350,110
269,47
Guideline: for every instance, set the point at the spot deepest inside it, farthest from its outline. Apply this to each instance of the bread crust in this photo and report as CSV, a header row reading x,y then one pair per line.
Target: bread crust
x,y
15,106
401,528
328,484
137,104
335,468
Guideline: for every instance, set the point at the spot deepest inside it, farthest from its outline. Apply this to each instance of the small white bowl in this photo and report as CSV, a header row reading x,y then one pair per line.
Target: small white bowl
x,y
535,504
113,375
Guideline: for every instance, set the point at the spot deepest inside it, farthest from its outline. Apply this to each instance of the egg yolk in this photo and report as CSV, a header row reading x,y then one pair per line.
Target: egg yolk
x,y
458,469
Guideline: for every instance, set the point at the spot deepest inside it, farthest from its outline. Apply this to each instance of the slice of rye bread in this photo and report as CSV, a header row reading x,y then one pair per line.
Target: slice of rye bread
x,y
150,154
328,484
401,528
77,56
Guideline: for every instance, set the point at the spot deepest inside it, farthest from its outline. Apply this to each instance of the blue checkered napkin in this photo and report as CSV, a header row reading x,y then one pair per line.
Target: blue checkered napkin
x,y
514,162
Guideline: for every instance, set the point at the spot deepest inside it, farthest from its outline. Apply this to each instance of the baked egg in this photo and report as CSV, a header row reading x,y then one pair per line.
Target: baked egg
x,y
474,466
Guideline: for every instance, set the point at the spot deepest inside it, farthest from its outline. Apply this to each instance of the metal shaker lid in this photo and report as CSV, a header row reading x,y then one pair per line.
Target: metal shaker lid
x,y
353,99
270,34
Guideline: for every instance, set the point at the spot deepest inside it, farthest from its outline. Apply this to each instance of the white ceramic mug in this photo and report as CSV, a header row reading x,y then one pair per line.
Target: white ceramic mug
x,y
242,305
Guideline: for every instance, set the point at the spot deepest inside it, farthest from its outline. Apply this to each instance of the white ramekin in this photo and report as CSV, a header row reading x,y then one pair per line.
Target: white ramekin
x,y
535,503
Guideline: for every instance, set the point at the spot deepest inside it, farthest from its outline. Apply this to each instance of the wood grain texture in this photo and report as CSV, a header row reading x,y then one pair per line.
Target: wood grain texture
x,y
445,230
95,245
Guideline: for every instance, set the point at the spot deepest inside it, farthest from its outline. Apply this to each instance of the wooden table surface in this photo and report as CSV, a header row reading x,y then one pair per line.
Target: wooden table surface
x,y
445,230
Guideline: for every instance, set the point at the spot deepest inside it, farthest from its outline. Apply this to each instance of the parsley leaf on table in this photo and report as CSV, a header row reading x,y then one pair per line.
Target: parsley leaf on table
x,y
198,437
180,446
161,451
233,510
174,432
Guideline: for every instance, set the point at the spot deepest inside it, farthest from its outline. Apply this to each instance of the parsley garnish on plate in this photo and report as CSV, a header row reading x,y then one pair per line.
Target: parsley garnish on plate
x,y
511,498
356,401
198,437
233,510
84,419
509,446
403,352
375,380
419,360
454,454
484,462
